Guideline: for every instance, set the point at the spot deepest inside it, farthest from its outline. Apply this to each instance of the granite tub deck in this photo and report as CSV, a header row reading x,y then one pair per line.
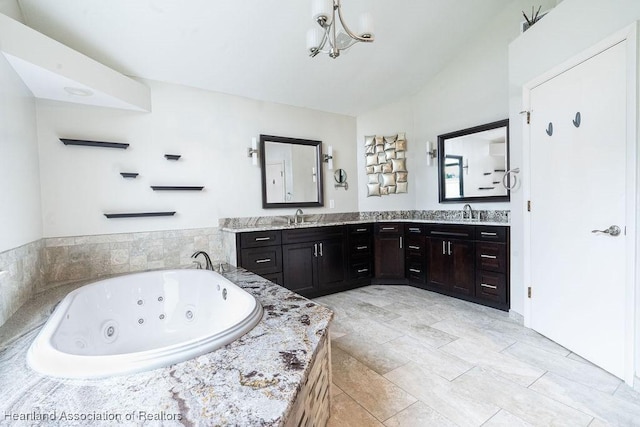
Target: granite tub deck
x,y
253,381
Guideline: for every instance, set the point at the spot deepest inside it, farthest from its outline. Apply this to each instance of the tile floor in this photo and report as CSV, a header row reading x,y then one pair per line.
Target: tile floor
x,y
403,356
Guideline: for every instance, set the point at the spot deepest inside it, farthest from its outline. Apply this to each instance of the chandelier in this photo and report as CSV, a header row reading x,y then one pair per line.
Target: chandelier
x,y
331,39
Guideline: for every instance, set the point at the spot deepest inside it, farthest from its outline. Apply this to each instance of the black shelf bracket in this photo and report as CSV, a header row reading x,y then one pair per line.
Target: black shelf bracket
x,y
129,174
100,144
172,156
176,188
138,215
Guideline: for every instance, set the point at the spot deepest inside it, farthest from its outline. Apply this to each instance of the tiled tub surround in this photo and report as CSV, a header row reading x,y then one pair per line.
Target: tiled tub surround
x,y
21,276
50,262
256,380
89,257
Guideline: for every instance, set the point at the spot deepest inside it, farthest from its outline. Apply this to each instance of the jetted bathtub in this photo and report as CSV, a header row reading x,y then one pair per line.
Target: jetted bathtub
x,y
140,322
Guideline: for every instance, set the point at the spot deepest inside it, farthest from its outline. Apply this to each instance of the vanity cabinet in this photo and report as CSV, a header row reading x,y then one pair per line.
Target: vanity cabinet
x,y
451,259
360,253
313,259
415,254
261,252
492,266
389,251
470,262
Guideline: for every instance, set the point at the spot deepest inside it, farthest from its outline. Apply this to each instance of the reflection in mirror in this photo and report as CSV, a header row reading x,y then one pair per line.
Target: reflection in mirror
x,y
472,163
291,172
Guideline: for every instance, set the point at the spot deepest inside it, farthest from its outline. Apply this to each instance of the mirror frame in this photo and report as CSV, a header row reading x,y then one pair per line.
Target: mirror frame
x,y
442,156
319,179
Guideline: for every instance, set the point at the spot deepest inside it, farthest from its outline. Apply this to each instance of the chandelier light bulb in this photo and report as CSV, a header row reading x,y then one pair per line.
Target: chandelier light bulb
x,y
322,9
365,28
314,37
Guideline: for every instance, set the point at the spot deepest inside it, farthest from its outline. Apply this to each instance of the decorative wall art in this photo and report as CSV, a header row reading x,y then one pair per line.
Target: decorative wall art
x,y
386,164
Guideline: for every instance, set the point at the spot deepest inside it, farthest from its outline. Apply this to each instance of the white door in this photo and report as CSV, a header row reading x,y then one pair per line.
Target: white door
x,y
274,175
578,184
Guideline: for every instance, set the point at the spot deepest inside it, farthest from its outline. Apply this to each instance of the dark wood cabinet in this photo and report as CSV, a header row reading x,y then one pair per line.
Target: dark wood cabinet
x,y
415,254
360,254
389,251
470,262
313,260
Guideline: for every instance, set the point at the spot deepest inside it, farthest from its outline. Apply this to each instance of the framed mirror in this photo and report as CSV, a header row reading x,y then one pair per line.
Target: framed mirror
x,y
291,172
472,163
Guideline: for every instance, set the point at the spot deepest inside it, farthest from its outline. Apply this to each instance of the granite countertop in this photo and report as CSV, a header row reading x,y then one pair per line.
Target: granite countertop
x,y
281,223
251,381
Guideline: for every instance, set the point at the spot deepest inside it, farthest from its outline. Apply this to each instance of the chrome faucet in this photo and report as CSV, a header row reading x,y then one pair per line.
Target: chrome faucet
x,y
465,209
209,264
297,215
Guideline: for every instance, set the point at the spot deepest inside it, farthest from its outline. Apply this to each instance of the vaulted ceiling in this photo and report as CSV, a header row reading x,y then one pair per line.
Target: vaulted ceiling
x,y
256,48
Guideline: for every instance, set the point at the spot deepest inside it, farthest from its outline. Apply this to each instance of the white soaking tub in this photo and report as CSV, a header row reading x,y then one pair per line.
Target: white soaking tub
x,y
141,321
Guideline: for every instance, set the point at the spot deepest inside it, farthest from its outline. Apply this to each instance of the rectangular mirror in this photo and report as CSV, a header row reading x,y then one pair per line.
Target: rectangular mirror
x,y
291,172
472,163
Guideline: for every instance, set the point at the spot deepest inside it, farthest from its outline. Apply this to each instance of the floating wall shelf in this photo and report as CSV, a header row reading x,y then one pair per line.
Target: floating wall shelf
x,y
172,156
175,188
138,215
129,174
101,144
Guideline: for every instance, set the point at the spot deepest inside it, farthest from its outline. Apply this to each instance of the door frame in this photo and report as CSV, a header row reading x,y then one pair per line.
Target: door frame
x,y
632,288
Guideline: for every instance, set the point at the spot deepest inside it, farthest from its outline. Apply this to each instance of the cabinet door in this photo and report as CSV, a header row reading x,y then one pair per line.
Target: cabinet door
x,y
462,270
298,267
389,257
331,263
437,264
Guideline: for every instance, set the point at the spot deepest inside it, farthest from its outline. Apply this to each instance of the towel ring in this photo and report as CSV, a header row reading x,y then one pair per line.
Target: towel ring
x,y
515,178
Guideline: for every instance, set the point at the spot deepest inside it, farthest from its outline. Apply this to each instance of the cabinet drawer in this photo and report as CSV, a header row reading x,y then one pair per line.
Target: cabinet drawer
x,y
360,229
262,260
491,286
313,234
491,234
414,246
260,238
360,248
491,256
274,277
389,228
461,232
413,230
360,270
416,271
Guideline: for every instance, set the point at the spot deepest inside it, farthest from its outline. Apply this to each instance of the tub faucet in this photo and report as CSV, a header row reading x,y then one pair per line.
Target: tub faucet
x,y
209,264
297,215
465,209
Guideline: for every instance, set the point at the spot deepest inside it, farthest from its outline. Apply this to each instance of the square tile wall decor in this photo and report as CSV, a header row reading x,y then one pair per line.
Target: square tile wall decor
x,y
386,164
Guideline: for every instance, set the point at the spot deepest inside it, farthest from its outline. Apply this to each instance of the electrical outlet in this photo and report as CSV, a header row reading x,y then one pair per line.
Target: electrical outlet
x,y
331,204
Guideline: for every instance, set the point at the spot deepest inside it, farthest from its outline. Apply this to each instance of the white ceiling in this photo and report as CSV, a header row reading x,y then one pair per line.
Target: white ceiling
x,y
256,48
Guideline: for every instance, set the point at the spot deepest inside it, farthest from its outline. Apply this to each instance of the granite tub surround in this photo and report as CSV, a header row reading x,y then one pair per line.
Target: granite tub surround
x,y
256,380
89,257
21,275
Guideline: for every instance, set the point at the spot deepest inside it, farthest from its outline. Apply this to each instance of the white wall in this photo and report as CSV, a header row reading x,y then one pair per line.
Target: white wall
x,y
211,131
471,90
388,120
572,27
20,215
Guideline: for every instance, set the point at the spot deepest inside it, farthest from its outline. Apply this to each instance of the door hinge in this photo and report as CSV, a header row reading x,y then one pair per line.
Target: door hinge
x,y
529,292
528,115
528,205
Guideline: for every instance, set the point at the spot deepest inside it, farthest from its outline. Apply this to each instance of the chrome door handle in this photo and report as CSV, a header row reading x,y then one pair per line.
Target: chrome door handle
x,y
444,252
321,254
614,230
449,248
315,250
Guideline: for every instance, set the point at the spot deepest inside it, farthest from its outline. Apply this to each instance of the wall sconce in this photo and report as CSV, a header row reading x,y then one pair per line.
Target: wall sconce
x,y
328,158
253,151
432,153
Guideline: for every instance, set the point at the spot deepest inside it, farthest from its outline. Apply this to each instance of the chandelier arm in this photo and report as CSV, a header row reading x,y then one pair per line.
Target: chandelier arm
x,y
338,6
